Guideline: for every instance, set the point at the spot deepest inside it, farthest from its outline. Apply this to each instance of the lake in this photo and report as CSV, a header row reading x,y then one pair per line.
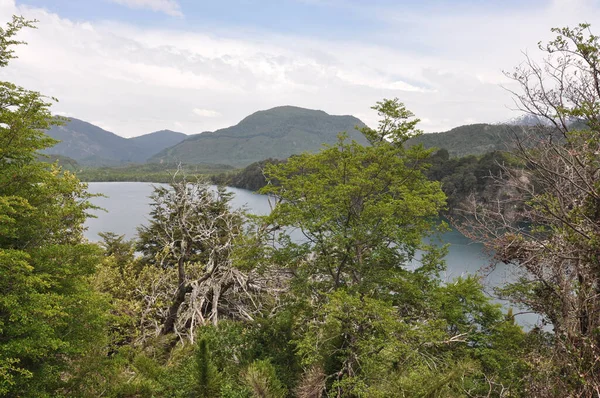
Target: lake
x,y
127,206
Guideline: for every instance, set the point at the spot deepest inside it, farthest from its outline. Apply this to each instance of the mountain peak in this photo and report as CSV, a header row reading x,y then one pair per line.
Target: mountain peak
x,y
91,145
272,133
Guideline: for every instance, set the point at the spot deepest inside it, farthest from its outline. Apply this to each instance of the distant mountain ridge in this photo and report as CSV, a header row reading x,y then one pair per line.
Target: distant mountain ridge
x,y
479,139
91,145
274,133
155,142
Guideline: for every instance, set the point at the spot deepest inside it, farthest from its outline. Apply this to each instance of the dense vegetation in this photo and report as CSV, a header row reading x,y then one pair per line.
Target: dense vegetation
x,y
50,315
459,177
474,139
149,172
211,302
251,177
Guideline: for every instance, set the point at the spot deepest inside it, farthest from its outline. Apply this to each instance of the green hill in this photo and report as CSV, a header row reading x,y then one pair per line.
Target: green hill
x,y
275,133
151,144
474,139
90,145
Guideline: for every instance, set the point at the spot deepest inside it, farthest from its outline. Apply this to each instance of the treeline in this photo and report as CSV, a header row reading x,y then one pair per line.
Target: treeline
x,y
149,172
251,177
459,177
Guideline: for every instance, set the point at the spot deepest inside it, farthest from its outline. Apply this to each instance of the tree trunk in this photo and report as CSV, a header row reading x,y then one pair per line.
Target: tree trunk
x,y
182,290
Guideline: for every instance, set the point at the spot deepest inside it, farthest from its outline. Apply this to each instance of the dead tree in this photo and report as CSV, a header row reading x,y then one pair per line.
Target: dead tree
x,y
189,246
547,222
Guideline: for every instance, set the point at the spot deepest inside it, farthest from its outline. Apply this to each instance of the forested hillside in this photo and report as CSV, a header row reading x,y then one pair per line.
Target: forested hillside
x,y
274,133
479,139
90,145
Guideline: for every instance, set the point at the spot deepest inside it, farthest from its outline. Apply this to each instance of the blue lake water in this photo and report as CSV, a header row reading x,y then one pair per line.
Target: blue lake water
x,y
127,206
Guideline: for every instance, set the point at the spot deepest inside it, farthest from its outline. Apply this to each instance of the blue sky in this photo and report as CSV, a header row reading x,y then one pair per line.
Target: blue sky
x,y
329,19
135,66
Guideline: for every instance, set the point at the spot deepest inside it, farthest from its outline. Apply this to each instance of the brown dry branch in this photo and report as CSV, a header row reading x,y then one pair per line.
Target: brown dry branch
x,y
547,222
189,247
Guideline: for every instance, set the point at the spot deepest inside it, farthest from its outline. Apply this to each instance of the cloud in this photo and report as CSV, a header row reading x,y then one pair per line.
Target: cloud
x,y
446,68
169,7
206,112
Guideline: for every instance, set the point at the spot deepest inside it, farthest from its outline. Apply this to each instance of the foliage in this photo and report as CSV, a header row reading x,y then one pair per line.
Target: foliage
x,y
189,244
468,176
206,376
362,209
369,311
459,177
221,304
251,177
150,172
50,318
558,194
262,380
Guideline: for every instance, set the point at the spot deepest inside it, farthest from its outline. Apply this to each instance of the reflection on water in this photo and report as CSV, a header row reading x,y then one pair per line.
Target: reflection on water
x,y
127,206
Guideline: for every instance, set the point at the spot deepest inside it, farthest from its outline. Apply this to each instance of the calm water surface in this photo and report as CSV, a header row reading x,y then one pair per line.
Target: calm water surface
x,y
127,206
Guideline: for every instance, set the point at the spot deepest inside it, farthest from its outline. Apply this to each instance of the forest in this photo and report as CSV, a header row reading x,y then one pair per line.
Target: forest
x,y
209,301
459,177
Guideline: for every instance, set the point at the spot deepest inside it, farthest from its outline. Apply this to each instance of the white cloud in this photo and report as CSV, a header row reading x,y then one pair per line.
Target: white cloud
x,y
206,112
169,7
141,79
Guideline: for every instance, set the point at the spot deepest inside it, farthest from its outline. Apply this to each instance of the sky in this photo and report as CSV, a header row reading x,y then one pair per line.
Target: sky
x,y
137,66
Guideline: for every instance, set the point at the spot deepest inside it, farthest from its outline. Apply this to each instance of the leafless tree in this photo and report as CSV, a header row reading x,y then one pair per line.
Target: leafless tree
x,y
546,221
190,245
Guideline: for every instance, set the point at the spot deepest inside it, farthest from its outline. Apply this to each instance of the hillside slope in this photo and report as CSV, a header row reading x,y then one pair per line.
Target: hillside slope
x,y
474,139
275,133
151,144
91,145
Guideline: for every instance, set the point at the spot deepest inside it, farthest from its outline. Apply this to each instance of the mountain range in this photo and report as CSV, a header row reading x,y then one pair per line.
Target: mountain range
x,y
92,146
274,133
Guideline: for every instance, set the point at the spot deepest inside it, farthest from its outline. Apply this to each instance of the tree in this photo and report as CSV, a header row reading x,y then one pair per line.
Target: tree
x,y
363,210
557,196
49,315
372,317
188,247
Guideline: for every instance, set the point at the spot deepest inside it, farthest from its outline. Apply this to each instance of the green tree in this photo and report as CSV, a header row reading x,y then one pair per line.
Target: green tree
x,y
372,317
363,210
49,315
206,372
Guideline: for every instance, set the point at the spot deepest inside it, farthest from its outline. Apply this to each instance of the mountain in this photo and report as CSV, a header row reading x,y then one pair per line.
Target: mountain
x,y
92,146
527,120
155,142
274,133
474,139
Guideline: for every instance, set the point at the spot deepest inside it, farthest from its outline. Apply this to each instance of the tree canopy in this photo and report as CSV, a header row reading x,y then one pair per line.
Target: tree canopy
x,y
49,315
